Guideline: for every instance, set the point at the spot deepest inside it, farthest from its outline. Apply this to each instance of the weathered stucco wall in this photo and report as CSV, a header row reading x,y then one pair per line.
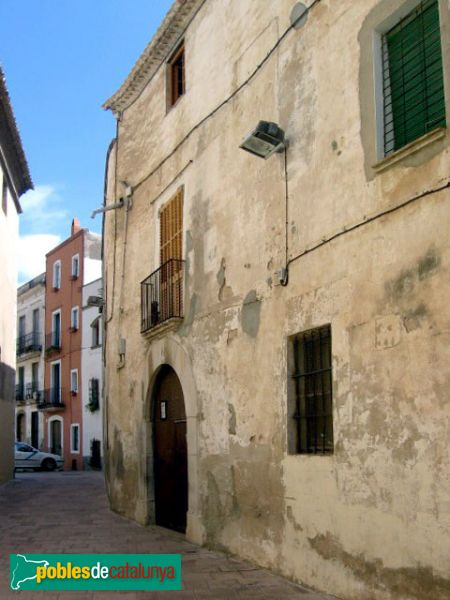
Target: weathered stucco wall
x,y
9,232
373,520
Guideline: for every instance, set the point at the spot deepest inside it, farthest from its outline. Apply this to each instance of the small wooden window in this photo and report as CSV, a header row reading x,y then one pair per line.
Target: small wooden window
x,y
177,77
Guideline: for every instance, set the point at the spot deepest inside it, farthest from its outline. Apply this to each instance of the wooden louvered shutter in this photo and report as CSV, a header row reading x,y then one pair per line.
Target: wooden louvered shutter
x,y
171,254
171,229
413,77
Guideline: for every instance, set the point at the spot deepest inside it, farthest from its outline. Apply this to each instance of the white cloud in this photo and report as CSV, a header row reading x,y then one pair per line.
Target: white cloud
x,y
42,210
31,254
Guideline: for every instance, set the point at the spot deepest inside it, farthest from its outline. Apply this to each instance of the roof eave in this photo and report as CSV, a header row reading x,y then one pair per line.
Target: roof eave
x,y
17,165
157,51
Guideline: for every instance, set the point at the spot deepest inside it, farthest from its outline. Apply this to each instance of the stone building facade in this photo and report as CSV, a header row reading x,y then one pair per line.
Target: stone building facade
x,y
15,180
277,331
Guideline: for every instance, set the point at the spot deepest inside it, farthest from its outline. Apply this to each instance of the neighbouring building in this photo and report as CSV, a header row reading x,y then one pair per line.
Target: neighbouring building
x,y
30,361
277,331
92,375
15,180
71,265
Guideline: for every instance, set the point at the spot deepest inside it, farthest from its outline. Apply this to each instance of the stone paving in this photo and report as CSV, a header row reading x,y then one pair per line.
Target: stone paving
x,y
68,512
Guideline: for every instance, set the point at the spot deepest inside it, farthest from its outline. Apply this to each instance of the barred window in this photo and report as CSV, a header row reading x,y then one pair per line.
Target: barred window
x,y
310,427
94,394
413,83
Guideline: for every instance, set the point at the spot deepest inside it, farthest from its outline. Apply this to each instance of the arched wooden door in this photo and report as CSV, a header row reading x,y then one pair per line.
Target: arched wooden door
x,y
170,452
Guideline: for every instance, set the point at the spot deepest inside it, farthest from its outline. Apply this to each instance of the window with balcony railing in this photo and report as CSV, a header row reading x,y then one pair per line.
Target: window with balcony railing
x,y
30,342
162,294
52,398
162,291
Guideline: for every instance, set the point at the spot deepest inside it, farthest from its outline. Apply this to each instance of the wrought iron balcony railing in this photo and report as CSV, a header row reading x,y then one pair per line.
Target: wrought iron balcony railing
x,y
31,342
32,392
53,342
52,398
162,294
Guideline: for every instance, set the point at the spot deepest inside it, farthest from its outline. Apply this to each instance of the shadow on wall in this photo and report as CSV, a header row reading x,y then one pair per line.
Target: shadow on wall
x,y
7,379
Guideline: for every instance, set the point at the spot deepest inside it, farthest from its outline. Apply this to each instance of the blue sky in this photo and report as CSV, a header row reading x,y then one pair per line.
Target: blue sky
x,y
62,60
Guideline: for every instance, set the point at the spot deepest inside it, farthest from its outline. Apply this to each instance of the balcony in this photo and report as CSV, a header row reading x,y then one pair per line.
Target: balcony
x,y
20,393
52,342
162,295
52,399
31,342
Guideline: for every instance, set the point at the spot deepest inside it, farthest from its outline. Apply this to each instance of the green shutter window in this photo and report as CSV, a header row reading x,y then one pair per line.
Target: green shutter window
x,y
413,82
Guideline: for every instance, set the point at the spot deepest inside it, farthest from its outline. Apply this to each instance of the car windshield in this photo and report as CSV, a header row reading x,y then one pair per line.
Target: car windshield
x,y
24,448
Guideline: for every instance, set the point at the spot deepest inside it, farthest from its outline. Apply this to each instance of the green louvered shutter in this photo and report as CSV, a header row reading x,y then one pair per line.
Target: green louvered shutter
x,y
414,102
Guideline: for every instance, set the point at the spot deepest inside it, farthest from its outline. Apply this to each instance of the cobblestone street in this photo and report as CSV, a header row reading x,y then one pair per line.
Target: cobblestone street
x,y
68,513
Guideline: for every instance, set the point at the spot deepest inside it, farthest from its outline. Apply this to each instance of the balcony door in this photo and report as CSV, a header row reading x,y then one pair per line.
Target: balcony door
x,y
21,383
55,437
21,335
35,376
171,254
55,392
56,329
35,429
36,327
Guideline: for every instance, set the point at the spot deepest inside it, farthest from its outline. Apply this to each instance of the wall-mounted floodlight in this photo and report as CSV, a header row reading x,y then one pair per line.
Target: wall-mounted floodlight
x,y
263,141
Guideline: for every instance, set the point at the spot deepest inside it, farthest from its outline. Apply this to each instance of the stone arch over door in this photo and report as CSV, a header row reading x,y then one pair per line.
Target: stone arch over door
x,y
169,351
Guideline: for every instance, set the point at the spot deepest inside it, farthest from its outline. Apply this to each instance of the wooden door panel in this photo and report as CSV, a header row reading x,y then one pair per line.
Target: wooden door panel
x,y
170,459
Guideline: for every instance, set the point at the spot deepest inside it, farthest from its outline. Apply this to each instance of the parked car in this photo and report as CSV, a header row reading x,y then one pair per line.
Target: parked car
x,y
27,457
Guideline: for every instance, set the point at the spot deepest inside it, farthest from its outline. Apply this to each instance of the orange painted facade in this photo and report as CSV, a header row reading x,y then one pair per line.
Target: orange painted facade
x,y
62,299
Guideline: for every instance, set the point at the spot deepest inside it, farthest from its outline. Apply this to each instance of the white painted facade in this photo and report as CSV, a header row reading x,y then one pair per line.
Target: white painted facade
x,y
9,232
91,369
15,180
30,359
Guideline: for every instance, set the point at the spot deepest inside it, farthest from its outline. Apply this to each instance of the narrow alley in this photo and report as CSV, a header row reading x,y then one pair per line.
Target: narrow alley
x,y
68,512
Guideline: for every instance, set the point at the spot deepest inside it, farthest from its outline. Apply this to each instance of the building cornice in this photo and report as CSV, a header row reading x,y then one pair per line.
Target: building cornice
x,y
12,151
158,50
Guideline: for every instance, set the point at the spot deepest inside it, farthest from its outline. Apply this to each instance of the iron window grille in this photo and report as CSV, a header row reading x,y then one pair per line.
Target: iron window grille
x,y
313,407
413,83
94,394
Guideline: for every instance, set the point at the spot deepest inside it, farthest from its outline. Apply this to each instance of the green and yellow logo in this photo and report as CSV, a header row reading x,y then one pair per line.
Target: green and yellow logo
x,y
95,571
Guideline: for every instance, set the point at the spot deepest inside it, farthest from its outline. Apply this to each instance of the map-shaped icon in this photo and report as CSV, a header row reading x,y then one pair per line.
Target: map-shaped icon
x,y
25,570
